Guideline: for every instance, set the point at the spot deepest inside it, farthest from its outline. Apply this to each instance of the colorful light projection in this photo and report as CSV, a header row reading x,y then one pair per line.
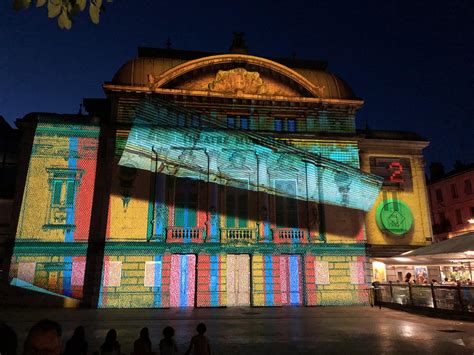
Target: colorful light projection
x,y
53,228
209,152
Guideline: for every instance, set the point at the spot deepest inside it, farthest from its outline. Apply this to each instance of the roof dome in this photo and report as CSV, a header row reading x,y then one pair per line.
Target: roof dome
x,y
321,83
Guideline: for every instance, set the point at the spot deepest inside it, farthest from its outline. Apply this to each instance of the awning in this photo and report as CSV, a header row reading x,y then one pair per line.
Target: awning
x,y
459,249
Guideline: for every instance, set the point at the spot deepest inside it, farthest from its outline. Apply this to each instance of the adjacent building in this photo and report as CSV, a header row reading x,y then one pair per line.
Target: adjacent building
x,y
452,202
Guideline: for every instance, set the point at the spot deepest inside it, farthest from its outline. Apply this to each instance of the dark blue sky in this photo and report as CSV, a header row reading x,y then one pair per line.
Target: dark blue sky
x,y
412,61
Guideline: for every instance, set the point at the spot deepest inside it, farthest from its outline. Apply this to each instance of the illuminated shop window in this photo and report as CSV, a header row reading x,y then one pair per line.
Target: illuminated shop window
x,y
278,125
321,272
291,125
244,123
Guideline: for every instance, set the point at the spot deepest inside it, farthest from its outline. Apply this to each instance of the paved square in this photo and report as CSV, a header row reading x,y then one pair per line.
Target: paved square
x,y
301,330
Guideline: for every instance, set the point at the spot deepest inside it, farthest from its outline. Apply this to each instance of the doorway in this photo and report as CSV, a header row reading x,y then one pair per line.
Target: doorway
x,y
238,280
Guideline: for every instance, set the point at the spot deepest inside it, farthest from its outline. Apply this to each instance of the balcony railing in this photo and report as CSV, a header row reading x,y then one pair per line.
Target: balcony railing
x,y
184,234
289,235
238,235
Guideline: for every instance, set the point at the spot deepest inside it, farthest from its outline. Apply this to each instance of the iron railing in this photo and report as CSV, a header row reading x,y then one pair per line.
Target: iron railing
x,y
454,298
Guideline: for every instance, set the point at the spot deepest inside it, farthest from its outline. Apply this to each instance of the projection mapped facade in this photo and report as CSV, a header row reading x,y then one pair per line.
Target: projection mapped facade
x,y
226,180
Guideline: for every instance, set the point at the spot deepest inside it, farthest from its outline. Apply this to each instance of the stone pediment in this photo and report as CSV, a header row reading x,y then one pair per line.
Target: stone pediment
x,y
234,75
238,81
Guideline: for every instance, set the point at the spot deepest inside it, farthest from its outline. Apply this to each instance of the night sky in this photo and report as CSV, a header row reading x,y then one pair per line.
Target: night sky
x,y
411,61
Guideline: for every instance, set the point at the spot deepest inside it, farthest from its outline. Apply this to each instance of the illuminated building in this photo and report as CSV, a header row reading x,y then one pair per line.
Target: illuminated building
x,y
215,180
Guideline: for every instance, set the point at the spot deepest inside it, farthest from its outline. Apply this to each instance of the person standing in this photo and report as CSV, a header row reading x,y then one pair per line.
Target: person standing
x,y
143,344
110,346
77,344
167,344
199,342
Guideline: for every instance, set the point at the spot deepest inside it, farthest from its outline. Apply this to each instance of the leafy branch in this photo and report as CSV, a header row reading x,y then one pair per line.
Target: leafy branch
x,y
65,10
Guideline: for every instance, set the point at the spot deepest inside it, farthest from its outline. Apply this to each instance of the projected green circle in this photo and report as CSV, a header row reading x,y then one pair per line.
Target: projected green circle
x,y
394,217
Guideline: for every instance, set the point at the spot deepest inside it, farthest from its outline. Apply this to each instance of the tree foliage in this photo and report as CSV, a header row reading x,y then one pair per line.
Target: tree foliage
x,y
65,10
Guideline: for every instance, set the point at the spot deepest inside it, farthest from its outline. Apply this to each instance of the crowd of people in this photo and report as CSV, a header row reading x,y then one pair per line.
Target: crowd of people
x,y
423,280
44,338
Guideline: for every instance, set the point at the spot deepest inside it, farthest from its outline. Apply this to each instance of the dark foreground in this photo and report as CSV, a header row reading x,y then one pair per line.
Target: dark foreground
x,y
328,330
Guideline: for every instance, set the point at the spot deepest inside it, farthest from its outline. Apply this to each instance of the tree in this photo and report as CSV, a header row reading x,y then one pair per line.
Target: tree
x,y
65,10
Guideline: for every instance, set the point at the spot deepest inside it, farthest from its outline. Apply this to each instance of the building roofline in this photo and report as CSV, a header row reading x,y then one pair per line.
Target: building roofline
x,y
150,52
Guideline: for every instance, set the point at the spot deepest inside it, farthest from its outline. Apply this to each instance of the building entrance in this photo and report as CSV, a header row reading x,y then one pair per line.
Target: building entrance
x,y
183,280
238,280
290,279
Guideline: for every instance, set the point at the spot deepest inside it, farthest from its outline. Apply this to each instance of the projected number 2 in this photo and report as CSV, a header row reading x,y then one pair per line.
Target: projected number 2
x,y
397,169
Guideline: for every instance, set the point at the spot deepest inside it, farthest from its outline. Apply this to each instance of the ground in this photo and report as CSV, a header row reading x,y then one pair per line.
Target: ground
x,y
302,330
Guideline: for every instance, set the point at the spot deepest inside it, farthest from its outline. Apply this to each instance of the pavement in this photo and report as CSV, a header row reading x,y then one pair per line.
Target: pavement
x,y
293,330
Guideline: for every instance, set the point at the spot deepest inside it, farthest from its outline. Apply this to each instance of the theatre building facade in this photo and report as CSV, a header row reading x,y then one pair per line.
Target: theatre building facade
x,y
214,180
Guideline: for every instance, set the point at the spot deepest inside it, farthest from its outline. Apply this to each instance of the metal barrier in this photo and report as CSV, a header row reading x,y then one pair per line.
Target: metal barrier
x,y
454,298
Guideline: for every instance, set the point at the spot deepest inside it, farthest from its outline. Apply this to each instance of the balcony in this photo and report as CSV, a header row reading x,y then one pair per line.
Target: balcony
x,y
184,234
289,235
238,235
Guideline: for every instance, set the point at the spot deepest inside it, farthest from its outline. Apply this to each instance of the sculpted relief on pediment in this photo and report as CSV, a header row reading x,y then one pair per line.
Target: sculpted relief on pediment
x,y
239,81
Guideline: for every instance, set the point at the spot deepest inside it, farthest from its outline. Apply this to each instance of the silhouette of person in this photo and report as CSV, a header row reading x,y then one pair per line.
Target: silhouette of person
x,y
143,344
9,343
167,344
77,344
110,346
43,338
199,342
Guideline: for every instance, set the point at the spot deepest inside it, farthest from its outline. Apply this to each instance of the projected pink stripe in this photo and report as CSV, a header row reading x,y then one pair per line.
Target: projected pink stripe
x,y
191,279
175,280
284,279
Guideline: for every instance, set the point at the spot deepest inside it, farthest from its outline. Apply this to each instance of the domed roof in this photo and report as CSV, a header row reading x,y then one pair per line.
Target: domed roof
x,y
315,82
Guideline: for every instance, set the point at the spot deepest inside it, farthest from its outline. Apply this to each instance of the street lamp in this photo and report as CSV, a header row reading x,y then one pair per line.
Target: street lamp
x,y
471,220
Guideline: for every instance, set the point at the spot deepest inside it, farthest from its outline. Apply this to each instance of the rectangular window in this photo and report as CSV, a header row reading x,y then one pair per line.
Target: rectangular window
x,y
291,125
321,272
244,123
467,187
152,274
439,195
458,216
454,191
78,272
278,125
472,212
196,121
181,122
112,273
230,121
356,269
70,193
26,271
57,188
